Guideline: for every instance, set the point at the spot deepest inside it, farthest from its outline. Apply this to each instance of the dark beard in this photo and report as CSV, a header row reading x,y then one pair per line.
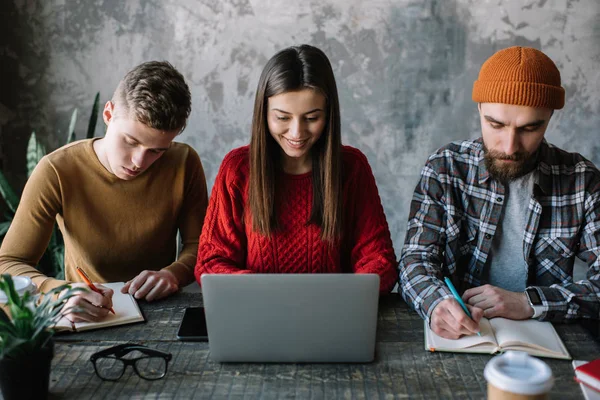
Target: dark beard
x,y
523,164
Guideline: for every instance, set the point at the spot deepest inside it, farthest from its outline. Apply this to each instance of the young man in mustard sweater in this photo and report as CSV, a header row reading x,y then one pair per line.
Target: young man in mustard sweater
x,y
119,200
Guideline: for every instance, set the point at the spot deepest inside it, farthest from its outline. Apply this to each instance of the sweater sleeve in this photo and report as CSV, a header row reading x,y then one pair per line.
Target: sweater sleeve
x,y
191,218
222,247
371,244
31,229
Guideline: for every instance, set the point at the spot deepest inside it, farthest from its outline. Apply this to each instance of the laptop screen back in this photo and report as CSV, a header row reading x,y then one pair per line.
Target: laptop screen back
x,y
291,317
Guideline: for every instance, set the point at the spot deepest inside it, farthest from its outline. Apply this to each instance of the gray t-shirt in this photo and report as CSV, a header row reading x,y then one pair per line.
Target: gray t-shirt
x,y
506,264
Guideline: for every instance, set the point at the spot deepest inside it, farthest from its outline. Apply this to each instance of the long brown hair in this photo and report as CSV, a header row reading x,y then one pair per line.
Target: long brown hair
x,y
292,69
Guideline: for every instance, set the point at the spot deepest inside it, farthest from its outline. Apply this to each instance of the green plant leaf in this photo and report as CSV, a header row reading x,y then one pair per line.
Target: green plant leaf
x,y
71,132
35,152
4,227
4,317
33,317
93,117
10,344
8,328
8,287
52,261
47,301
8,194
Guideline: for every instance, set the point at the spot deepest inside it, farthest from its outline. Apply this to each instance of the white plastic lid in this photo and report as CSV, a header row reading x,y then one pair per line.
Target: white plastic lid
x,y
518,372
22,284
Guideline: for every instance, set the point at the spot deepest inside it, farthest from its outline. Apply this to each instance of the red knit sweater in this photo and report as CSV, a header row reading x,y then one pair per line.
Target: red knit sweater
x,y
229,246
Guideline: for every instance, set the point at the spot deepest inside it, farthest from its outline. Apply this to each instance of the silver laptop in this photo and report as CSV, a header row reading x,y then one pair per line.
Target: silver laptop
x,y
291,317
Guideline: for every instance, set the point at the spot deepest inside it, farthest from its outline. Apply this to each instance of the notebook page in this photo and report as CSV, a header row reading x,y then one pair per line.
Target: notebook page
x,y
487,340
528,334
126,311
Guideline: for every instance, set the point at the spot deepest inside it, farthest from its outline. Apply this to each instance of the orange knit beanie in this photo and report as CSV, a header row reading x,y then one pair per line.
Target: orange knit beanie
x,y
522,76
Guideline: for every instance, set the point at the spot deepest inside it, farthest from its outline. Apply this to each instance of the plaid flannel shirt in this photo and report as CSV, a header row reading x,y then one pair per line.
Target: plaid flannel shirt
x,y
456,208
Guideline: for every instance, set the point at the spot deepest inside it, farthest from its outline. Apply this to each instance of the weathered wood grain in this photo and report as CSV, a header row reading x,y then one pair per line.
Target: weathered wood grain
x,y
402,369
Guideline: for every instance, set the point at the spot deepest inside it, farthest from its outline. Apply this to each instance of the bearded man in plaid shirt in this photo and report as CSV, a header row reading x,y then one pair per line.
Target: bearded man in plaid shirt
x,y
504,216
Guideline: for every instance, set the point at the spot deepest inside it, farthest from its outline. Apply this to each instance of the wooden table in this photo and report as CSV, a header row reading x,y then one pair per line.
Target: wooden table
x,y
403,369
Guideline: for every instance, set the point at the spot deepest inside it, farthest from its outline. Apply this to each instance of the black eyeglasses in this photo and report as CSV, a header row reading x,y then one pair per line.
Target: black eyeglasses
x,y
110,365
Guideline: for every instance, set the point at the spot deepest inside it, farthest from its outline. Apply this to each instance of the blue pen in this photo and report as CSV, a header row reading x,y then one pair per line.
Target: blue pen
x,y
457,297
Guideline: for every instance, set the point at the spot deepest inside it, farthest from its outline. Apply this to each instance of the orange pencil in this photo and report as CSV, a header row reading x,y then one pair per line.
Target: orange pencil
x,y
87,280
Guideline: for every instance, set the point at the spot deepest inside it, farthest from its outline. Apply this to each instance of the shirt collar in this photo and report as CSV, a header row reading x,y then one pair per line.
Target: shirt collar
x,y
484,174
543,178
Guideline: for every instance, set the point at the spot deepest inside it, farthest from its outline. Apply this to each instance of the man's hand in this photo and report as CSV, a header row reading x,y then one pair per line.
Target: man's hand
x,y
496,302
88,306
152,285
450,321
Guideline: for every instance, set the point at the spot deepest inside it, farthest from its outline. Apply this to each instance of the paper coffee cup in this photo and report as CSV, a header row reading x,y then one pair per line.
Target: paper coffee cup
x,y
22,284
516,375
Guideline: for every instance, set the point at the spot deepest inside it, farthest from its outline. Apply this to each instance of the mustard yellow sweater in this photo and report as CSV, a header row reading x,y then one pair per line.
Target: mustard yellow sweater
x,y
112,228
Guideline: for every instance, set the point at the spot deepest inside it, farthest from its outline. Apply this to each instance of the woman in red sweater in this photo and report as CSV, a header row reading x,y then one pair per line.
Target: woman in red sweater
x,y
295,200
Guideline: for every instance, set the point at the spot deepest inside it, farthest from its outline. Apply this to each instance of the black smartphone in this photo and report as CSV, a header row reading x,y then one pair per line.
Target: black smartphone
x,y
193,325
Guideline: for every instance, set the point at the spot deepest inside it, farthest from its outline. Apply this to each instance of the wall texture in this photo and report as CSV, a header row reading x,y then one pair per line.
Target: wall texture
x,y
404,69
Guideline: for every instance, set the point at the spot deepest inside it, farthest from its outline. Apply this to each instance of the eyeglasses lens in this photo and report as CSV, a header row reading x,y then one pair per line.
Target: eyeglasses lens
x,y
151,367
109,368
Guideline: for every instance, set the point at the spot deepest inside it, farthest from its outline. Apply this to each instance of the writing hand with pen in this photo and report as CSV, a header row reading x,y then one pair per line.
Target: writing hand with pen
x,y
452,319
449,321
91,305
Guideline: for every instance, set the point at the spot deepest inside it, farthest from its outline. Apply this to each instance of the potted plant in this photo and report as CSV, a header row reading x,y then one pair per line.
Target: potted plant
x,y
26,346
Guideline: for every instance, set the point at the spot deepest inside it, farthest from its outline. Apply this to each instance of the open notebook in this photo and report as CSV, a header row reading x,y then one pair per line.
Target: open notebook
x,y
126,312
500,334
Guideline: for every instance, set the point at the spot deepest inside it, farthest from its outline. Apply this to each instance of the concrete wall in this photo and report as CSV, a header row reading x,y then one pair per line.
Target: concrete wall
x,y
404,69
